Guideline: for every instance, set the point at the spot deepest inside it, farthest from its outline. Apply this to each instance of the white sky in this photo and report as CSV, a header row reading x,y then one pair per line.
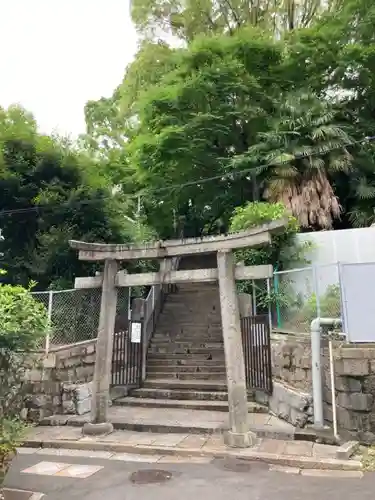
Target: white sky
x,y
57,54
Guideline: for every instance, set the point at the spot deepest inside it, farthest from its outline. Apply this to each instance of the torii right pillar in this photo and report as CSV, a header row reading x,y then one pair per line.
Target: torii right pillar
x,y
239,435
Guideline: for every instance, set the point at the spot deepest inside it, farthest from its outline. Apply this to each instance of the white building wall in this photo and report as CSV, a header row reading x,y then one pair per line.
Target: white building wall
x,y
330,248
346,245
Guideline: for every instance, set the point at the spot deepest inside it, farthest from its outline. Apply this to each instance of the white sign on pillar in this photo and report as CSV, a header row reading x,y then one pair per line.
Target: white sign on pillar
x,y
136,332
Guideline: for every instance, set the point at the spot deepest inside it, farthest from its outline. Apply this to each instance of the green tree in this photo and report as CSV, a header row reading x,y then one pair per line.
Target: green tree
x,y
336,59
303,149
110,121
194,123
186,20
51,192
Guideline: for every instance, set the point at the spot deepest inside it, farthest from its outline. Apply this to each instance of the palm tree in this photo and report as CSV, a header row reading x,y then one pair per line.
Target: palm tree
x,y
304,147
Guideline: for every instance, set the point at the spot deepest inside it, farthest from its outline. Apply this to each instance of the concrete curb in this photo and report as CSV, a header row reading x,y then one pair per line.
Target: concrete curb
x,y
15,494
347,450
264,431
248,454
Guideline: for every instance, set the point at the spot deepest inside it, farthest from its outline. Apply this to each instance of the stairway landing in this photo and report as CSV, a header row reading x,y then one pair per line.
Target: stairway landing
x,y
180,421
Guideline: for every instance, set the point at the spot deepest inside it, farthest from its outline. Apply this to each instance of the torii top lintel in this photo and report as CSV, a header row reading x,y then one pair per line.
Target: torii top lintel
x,y
173,248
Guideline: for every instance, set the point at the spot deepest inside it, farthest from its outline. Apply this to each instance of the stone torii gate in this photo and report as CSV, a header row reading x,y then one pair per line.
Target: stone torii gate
x,y
226,273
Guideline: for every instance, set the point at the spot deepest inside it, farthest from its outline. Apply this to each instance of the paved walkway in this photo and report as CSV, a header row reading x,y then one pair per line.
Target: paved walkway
x,y
78,476
179,420
296,453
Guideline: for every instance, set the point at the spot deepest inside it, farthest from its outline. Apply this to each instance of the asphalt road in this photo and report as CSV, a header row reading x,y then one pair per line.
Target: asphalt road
x,y
219,480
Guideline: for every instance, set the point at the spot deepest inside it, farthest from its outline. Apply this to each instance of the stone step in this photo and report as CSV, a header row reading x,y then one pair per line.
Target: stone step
x,y
194,385
173,361
195,291
202,356
189,340
185,404
202,303
205,309
191,318
160,368
179,394
186,290
186,338
199,304
176,332
193,285
172,349
188,376
186,344
196,343
211,300
172,325
181,336
169,321
192,341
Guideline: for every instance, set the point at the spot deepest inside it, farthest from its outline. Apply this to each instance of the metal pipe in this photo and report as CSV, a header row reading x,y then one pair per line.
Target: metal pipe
x,y
315,329
129,303
333,390
253,292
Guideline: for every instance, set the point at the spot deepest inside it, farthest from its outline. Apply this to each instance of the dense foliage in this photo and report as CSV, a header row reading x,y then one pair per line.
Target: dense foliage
x,y
23,320
51,191
186,19
283,250
271,101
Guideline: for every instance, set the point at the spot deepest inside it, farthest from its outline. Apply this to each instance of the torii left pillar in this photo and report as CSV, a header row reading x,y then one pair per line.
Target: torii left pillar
x,y
104,347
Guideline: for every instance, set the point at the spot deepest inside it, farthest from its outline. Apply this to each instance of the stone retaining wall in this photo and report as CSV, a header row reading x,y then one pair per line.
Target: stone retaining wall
x,y
291,361
291,399
354,367
291,404
61,381
355,391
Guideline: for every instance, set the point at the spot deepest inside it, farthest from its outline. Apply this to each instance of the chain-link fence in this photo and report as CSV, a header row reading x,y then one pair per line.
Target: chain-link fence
x,y
300,295
74,314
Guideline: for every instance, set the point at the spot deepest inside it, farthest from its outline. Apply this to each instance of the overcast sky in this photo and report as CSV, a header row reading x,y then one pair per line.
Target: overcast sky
x,y
57,54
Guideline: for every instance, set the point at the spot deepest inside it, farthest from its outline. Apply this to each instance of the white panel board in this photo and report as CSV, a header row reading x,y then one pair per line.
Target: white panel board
x,y
357,290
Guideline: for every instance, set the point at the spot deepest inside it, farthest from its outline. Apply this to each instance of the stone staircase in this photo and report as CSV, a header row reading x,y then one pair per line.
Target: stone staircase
x,y
185,361
188,341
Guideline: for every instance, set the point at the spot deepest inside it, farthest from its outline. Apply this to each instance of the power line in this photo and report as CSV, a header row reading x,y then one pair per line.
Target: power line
x,y
249,170
204,180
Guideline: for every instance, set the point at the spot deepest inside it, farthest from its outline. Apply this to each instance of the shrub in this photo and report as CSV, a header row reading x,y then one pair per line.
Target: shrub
x,y
283,251
11,433
257,213
23,321
329,303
